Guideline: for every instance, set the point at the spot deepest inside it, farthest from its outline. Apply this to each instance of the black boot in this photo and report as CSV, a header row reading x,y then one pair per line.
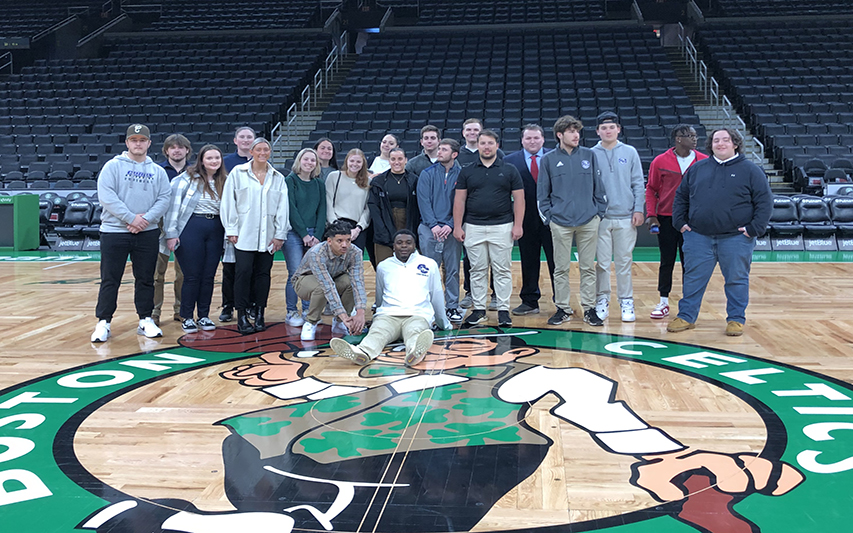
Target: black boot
x,y
259,319
243,325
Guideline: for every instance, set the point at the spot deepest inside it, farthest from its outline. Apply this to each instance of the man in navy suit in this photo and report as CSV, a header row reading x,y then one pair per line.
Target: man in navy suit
x,y
537,236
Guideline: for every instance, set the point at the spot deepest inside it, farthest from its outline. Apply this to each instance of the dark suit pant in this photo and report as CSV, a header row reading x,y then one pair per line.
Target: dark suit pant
x,y
536,237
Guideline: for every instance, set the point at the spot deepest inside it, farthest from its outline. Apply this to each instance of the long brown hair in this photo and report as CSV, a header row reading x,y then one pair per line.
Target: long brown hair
x,y
199,172
361,179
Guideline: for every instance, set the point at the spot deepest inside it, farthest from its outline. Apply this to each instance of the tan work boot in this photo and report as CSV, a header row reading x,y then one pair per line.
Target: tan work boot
x,y
679,324
734,329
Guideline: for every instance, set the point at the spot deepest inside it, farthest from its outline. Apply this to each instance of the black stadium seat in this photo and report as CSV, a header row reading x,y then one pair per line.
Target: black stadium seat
x,y
818,229
786,232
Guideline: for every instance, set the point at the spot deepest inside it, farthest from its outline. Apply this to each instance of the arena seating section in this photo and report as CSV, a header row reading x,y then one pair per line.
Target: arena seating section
x,y
182,15
442,13
28,19
63,116
794,83
765,8
402,82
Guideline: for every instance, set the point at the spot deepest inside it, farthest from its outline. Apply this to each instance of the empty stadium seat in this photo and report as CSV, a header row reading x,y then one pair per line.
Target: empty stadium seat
x,y
786,232
818,229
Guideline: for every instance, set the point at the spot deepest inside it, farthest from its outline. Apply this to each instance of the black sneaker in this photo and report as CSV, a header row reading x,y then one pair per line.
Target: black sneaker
x,y
227,314
189,326
559,317
251,312
454,315
591,317
525,309
474,317
504,320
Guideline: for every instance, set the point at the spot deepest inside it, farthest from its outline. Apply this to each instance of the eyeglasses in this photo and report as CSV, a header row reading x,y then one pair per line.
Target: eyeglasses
x,y
688,136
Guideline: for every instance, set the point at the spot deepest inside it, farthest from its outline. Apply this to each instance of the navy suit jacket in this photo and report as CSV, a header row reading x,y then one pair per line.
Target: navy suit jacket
x,y
531,211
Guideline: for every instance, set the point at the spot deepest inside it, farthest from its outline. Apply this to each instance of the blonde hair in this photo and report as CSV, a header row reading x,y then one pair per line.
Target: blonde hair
x,y
361,178
297,163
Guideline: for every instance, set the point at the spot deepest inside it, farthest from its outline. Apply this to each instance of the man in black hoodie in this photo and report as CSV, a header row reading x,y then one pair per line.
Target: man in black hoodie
x,y
722,205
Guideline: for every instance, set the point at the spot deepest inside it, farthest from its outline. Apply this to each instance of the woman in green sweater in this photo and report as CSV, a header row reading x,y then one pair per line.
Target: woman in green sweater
x,y
307,194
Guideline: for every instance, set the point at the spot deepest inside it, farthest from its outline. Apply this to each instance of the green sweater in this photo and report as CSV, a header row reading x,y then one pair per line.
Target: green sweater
x,y
307,205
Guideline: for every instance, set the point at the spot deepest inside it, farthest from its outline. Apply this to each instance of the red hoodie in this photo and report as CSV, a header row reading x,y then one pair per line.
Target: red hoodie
x,y
664,177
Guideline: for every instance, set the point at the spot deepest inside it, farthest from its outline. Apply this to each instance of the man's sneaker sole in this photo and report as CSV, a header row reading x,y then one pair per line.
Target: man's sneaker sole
x,y
348,351
556,322
421,347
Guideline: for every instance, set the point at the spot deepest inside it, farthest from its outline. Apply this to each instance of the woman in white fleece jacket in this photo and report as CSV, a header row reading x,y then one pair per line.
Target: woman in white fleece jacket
x,y
255,214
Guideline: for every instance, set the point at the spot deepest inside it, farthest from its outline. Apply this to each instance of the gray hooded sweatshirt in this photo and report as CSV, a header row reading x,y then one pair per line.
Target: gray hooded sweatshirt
x,y
622,174
127,188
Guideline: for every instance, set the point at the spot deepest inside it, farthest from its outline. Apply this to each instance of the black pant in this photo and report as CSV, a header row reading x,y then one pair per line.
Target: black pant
x,y
143,249
228,285
670,241
252,279
198,254
536,236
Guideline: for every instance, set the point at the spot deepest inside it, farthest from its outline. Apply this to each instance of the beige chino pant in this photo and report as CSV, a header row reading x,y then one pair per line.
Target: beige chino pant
x,y
587,239
386,328
490,246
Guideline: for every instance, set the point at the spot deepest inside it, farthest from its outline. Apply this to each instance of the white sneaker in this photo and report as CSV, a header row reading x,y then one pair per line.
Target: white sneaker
x,y
102,332
294,319
419,348
148,328
602,308
339,328
308,331
346,350
628,310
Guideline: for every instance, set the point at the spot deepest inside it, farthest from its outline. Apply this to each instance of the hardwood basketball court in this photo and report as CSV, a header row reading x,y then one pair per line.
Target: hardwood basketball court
x,y
211,437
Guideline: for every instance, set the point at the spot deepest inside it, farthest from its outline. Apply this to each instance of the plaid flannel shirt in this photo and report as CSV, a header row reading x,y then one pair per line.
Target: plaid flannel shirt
x,y
321,263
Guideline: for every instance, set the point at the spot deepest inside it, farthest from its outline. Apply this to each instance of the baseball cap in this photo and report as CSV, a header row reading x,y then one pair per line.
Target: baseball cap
x,y
608,116
138,129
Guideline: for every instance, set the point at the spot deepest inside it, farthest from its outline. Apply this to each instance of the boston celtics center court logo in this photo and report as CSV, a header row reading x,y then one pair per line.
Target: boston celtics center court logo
x,y
473,438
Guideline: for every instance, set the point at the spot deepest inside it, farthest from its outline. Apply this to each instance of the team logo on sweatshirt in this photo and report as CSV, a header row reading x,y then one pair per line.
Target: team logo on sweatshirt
x,y
585,164
423,269
623,161
697,440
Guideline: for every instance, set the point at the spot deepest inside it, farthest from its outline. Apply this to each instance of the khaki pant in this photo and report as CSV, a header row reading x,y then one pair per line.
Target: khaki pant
x,y
490,246
160,282
309,288
587,239
385,329
616,238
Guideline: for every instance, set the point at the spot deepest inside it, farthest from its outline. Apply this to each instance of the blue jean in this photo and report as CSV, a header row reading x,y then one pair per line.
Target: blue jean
x,y
198,253
701,254
294,249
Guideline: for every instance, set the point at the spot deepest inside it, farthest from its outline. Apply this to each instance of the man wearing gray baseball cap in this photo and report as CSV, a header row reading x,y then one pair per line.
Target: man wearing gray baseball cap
x,y
134,193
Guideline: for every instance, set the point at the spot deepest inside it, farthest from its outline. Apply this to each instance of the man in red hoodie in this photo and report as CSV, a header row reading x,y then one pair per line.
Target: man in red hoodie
x,y
665,175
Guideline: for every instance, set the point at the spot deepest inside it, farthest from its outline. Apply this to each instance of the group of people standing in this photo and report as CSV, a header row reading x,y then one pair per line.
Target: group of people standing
x,y
323,217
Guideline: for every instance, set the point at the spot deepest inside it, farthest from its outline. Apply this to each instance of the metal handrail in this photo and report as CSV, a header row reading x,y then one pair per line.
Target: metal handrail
x,y
285,131
710,89
53,28
103,29
305,104
7,63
